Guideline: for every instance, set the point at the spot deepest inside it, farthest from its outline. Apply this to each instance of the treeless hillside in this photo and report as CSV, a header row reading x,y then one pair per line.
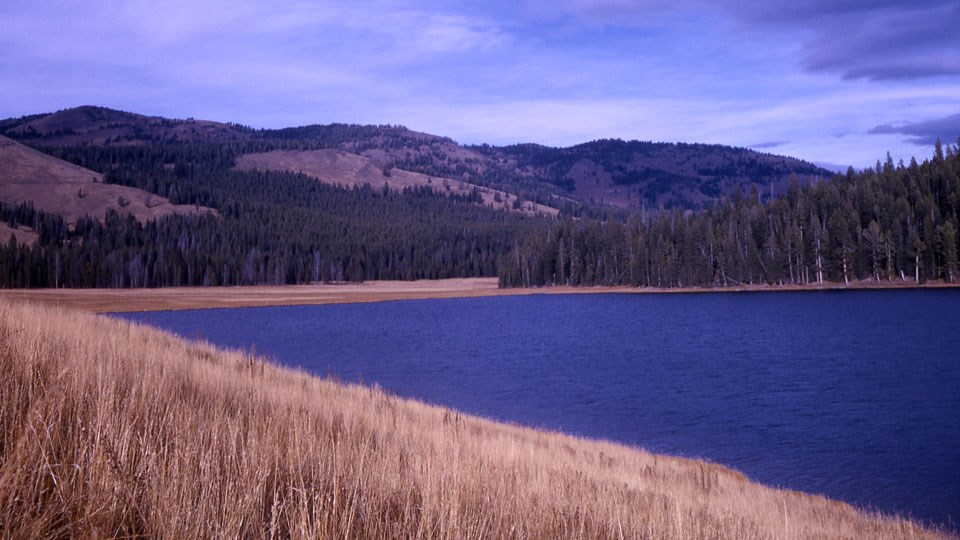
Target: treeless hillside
x,y
336,167
71,191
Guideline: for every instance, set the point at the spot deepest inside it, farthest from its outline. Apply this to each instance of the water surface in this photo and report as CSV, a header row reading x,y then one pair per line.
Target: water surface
x,y
852,394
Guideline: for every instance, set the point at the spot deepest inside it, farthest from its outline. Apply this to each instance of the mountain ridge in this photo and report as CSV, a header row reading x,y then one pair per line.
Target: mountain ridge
x,y
612,172
318,210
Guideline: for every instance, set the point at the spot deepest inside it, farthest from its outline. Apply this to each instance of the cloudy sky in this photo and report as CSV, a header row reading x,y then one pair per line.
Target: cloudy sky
x,y
830,81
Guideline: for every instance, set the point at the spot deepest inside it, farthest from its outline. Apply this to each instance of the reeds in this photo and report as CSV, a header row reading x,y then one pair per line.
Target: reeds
x,y
109,429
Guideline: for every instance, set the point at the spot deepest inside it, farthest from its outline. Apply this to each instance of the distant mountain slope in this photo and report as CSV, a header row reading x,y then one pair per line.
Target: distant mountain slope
x,y
89,125
70,191
336,167
630,173
275,225
613,172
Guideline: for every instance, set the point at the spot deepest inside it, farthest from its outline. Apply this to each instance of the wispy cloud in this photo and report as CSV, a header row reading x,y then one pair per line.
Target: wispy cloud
x,y
947,130
869,39
411,31
445,33
743,72
769,144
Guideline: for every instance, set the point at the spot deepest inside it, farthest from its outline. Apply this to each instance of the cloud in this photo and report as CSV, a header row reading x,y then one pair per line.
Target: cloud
x,y
600,10
770,144
180,21
410,33
558,72
857,39
924,133
444,33
885,43
865,39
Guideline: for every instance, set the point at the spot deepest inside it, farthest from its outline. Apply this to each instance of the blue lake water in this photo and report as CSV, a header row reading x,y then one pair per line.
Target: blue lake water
x,y
852,394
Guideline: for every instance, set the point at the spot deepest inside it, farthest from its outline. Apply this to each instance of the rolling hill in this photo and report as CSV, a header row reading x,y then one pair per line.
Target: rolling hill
x,y
636,173
70,191
339,168
613,172
91,126
308,204
618,173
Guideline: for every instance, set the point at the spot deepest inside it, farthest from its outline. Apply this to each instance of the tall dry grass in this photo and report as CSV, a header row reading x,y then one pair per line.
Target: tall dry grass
x,y
108,429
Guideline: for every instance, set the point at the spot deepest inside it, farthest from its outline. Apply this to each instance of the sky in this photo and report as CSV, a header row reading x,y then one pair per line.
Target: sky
x,y
839,82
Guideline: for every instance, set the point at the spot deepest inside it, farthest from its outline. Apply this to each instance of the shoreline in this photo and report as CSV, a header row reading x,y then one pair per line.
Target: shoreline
x,y
172,437
183,298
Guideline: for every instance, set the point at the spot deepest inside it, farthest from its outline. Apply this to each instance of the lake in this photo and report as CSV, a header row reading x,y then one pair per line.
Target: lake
x,y
851,394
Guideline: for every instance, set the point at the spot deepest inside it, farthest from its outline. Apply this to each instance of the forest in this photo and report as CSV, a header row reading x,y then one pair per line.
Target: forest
x,y
890,222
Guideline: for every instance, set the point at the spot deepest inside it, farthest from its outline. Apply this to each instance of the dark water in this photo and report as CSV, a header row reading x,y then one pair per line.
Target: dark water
x,y
855,395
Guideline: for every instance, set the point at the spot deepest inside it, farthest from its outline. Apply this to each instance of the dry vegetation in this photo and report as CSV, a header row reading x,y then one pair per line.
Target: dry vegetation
x,y
71,191
336,167
174,298
22,235
111,429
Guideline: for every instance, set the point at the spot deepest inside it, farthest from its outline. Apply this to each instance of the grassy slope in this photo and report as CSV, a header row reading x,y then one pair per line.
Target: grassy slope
x,y
110,429
70,191
335,167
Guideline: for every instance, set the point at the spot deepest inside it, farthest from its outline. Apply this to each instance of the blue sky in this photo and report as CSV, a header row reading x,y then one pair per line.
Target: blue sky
x,y
830,81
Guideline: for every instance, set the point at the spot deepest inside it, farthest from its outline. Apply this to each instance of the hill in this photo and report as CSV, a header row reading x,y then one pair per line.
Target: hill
x,y
92,126
623,174
620,173
353,203
70,191
112,429
658,175
897,223
339,168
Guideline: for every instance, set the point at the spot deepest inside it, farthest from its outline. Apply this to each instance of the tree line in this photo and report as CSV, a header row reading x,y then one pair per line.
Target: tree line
x,y
886,223
270,228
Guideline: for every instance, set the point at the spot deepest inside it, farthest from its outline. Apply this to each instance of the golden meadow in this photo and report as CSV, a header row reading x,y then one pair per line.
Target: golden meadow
x,y
113,430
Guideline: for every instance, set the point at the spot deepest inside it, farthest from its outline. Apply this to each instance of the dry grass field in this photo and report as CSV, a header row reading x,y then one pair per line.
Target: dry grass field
x,y
173,298
108,429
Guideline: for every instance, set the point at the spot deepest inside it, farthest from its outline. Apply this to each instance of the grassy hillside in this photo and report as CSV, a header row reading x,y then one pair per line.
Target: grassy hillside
x,y
70,191
338,168
110,429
